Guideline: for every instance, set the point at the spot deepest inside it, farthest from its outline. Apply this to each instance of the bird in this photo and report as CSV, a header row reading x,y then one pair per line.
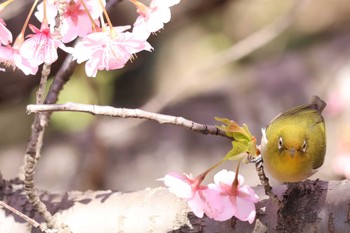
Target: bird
x,y
293,144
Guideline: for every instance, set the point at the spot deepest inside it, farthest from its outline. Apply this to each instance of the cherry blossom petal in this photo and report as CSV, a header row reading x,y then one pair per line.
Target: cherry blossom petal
x,y
139,29
196,205
197,196
238,202
245,209
155,16
178,184
215,203
51,11
12,57
70,29
5,34
93,65
76,21
227,177
218,201
248,193
102,52
40,47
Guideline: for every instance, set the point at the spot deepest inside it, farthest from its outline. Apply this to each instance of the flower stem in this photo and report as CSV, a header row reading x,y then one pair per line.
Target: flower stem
x,y
141,8
201,176
113,33
4,4
235,181
44,22
20,37
90,17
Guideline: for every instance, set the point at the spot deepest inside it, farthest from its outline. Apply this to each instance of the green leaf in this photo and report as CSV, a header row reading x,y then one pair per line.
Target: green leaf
x,y
245,127
238,150
243,143
232,129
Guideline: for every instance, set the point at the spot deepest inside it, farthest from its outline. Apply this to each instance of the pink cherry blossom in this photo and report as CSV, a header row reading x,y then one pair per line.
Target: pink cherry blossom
x,y
5,34
199,198
76,21
154,17
184,186
11,57
179,184
51,11
238,201
220,201
104,51
40,47
139,29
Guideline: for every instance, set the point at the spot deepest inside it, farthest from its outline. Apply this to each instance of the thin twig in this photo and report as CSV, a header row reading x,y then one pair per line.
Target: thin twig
x,y
265,181
23,216
33,152
59,18
128,113
35,143
61,78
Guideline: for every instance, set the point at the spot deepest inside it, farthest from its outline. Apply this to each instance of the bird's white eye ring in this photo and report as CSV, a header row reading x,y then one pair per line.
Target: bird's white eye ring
x,y
280,143
304,147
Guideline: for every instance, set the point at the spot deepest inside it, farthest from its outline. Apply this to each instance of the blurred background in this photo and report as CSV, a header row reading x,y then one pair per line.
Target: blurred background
x,y
202,66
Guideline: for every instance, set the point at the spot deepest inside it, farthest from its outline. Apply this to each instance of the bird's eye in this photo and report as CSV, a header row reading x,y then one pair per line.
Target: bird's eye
x,y
303,147
280,143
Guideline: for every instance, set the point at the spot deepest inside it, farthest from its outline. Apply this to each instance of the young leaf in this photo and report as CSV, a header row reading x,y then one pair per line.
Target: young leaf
x,y
243,141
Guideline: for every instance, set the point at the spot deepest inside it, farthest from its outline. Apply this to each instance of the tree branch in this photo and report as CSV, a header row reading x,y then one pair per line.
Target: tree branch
x,y
35,142
128,113
33,151
309,206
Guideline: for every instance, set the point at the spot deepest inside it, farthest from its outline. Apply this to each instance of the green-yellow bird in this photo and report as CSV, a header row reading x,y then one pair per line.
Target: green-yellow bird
x,y
293,145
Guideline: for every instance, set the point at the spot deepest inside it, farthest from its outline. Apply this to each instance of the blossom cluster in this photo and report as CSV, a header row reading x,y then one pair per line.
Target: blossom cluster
x,y
221,200
102,46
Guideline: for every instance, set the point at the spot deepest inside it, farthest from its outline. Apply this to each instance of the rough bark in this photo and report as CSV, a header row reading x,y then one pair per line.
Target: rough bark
x,y
310,206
